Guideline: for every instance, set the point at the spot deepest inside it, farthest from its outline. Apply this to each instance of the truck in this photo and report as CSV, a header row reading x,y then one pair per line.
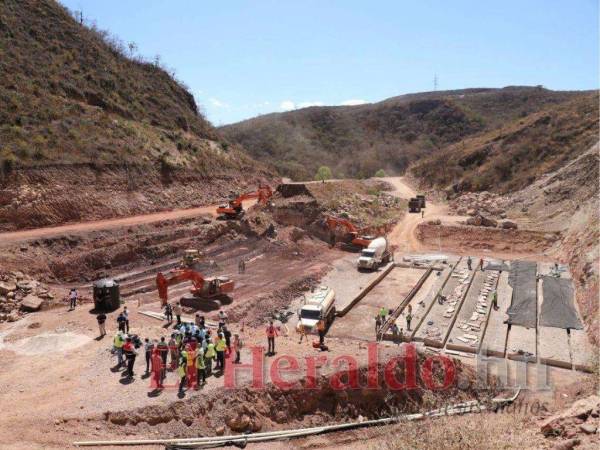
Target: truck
x,y
414,205
375,255
421,200
319,305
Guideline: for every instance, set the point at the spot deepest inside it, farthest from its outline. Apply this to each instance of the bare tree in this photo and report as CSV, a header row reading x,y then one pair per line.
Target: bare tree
x,y
132,48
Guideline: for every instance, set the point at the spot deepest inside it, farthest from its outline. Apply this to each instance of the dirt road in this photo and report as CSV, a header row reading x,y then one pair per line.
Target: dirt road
x,y
37,233
403,234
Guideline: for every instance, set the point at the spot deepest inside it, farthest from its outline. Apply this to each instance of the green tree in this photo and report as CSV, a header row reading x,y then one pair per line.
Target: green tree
x,y
380,173
324,173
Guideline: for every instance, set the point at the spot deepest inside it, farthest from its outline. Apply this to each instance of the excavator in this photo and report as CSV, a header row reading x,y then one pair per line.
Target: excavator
x,y
353,236
235,210
204,288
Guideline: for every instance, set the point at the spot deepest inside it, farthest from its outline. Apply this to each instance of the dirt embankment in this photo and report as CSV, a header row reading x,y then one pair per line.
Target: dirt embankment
x,y
52,195
463,237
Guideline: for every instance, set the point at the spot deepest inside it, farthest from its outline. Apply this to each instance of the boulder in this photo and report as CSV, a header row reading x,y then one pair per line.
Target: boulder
x,y
588,428
472,212
434,222
487,222
475,221
6,287
508,225
31,303
12,317
566,445
28,285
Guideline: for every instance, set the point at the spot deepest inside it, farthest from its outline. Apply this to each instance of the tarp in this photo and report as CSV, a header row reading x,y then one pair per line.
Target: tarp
x,y
523,308
558,309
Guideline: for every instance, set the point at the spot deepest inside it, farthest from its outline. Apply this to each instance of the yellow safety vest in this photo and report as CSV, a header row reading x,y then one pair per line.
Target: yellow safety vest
x,y
221,345
210,351
118,341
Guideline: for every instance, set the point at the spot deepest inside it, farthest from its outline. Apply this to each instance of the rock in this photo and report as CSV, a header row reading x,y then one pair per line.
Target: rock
x,y
566,445
588,428
220,431
18,275
27,285
12,317
6,287
34,325
472,212
434,222
31,303
508,225
240,423
487,222
461,211
475,221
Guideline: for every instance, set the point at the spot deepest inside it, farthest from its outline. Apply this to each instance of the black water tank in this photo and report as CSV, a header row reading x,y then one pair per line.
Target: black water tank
x,y
106,295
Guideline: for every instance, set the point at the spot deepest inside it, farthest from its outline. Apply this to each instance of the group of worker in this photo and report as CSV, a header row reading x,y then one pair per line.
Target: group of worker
x,y
384,314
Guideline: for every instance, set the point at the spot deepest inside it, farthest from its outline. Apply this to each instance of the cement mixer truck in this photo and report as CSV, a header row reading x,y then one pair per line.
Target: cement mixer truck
x,y
375,255
319,305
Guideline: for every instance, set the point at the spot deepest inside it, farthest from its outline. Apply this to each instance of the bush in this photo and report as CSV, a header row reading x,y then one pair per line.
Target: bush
x,y
380,173
324,173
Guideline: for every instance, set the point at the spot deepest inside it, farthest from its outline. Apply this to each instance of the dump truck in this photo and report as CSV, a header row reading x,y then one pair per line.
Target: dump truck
x,y
375,255
414,205
319,305
421,200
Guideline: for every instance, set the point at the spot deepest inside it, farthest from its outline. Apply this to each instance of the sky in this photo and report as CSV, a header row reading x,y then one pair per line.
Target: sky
x,y
243,58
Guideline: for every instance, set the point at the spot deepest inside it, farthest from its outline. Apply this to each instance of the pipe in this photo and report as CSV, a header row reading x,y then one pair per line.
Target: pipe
x,y
212,441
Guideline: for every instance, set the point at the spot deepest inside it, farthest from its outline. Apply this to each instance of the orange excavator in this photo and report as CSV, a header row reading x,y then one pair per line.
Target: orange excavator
x,y
235,210
203,287
352,236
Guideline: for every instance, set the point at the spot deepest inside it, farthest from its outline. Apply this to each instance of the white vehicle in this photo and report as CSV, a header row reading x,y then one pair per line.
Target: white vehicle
x,y
320,305
375,255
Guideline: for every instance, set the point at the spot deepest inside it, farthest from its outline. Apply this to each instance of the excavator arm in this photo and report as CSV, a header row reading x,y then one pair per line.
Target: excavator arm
x,y
263,194
163,282
334,223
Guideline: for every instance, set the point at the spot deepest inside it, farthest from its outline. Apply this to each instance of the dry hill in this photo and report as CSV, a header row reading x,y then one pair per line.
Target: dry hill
x,y
87,132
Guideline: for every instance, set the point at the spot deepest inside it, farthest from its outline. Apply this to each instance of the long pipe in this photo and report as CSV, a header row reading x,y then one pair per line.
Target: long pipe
x,y
458,408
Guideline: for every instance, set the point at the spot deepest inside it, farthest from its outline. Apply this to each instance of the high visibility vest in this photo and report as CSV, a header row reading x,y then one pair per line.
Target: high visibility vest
x,y
200,361
221,345
118,341
191,358
210,351
181,369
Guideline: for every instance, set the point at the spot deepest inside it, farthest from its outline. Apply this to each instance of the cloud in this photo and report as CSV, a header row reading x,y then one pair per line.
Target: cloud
x,y
287,105
353,102
217,103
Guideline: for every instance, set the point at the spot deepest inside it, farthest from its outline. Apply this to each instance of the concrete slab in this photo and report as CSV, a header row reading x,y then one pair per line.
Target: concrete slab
x,y
423,299
494,339
553,343
359,321
521,344
472,318
583,354
438,322
347,281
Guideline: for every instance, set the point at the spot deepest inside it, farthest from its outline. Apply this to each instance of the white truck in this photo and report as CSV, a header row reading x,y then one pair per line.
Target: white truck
x,y
375,255
319,305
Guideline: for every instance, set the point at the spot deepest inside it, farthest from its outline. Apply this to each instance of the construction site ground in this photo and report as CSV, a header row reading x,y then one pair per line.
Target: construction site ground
x,y
60,382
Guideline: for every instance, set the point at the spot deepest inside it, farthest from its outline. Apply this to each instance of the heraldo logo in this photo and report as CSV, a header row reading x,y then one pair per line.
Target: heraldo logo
x,y
398,373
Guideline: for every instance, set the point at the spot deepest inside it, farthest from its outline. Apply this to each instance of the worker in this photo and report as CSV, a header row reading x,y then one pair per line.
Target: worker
x,y
157,368
383,312
495,300
181,371
469,262
237,347
395,333
321,331
408,319
72,299
177,312
169,313
197,320
101,318
118,342
481,264
126,315
209,355
220,347
200,369
271,333
227,336
191,366
130,355
441,299
148,349
202,324
242,266
377,323
163,351
121,322
222,318
174,349
422,213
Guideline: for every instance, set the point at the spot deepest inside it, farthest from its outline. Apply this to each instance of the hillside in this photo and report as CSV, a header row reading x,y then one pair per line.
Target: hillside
x,y
75,110
356,141
511,157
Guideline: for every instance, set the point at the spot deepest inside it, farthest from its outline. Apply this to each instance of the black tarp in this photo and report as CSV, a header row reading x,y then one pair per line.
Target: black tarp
x,y
558,309
523,280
